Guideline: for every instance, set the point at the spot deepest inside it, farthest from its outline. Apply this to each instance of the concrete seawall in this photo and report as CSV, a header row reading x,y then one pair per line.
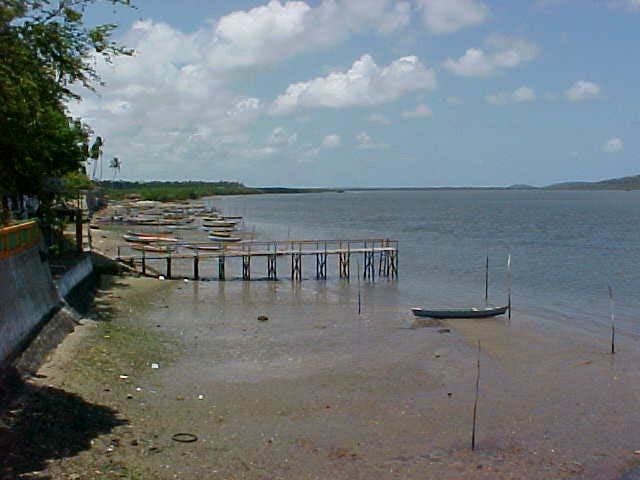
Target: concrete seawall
x,y
29,296
74,277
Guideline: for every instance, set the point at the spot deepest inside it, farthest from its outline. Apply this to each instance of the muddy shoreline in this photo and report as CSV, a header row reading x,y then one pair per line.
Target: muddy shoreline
x,y
317,392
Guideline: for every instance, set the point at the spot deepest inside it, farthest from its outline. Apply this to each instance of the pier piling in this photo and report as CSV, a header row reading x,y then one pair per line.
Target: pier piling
x,y
246,267
221,262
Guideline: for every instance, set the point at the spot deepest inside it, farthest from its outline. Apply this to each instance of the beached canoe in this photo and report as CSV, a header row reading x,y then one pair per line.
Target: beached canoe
x,y
136,239
218,238
481,312
220,233
232,217
148,238
219,229
203,247
152,248
219,223
161,234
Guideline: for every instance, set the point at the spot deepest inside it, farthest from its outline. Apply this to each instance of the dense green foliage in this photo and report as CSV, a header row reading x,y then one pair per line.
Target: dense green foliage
x,y
45,49
172,191
169,191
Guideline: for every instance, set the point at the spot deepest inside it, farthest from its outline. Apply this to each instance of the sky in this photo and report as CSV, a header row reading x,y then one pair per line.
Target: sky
x,y
355,93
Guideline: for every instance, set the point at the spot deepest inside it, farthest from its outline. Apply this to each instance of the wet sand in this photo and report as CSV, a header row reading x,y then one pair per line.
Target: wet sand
x,y
318,392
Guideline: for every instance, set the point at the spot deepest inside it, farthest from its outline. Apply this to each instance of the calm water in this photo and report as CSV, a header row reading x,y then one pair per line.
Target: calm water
x,y
565,246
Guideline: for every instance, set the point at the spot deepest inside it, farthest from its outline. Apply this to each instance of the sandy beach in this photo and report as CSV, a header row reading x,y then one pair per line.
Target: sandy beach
x,y
319,392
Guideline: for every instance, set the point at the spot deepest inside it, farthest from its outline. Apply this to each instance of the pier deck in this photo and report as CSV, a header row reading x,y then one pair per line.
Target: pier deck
x,y
379,256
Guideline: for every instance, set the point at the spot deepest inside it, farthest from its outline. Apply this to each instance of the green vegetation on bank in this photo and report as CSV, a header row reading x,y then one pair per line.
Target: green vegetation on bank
x,y
171,191
176,191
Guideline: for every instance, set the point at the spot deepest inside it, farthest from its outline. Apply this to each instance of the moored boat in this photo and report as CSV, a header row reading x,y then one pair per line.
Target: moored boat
x,y
219,229
148,238
473,312
218,238
219,223
161,234
152,248
220,233
203,247
136,239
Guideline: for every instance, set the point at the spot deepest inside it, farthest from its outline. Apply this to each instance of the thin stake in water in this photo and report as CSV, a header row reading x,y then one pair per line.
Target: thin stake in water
x,y
509,284
486,281
359,294
475,402
612,314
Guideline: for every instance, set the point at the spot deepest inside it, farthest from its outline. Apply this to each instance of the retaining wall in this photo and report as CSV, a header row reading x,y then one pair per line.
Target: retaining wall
x,y
29,297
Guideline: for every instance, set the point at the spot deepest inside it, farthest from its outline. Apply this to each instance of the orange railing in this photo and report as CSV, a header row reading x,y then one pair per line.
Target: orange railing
x,y
18,238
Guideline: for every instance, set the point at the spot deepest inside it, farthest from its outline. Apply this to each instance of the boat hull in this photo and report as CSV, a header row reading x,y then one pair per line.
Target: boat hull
x,y
461,312
224,239
208,248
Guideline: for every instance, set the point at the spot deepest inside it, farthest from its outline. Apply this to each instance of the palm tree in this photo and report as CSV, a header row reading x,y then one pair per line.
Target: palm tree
x,y
115,164
96,154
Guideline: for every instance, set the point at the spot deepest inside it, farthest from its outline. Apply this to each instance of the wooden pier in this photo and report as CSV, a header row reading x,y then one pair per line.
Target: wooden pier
x,y
380,258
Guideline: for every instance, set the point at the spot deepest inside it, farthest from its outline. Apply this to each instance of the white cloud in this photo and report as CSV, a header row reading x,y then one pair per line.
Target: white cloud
x,y
365,83
281,137
421,110
379,118
447,16
583,90
117,107
501,53
519,95
523,94
272,32
633,5
613,145
172,105
364,141
244,106
331,141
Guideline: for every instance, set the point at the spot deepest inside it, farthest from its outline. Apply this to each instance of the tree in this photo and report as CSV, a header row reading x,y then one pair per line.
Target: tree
x,y
96,155
115,164
45,50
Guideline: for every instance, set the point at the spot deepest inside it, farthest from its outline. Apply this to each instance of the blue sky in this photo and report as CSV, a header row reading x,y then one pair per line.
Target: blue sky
x,y
372,92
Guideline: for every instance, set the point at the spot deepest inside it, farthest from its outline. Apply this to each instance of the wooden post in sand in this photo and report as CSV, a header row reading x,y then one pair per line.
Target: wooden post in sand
x,y
475,403
612,313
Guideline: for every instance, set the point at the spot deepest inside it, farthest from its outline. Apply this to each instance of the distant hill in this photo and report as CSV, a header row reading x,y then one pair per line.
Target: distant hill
x,y
622,183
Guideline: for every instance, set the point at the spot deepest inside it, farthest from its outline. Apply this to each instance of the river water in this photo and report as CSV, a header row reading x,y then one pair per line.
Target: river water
x,y
566,247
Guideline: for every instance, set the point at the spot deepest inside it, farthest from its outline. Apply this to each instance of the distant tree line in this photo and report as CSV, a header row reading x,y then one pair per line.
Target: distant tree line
x,y
173,191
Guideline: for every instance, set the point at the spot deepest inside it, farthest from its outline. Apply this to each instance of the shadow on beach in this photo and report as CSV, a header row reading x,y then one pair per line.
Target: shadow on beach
x,y
39,423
